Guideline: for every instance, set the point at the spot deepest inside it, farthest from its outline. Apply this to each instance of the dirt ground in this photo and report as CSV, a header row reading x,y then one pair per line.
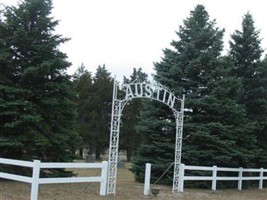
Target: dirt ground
x,y
127,189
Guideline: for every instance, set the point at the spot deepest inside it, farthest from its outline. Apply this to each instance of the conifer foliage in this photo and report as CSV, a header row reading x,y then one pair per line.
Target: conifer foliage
x,y
94,108
37,109
130,138
216,130
246,54
102,104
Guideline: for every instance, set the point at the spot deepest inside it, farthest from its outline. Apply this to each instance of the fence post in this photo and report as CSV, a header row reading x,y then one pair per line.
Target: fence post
x,y
261,179
214,177
147,179
240,174
35,179
104,176
181,178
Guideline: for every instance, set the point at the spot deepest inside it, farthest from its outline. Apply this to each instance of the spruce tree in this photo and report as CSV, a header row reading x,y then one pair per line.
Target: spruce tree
x,y
246,53
157,144
262,121
101,104
129,138
83,81
213,122
38,113
94,108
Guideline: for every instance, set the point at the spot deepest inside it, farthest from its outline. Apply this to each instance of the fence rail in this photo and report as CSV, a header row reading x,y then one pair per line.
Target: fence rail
x,y
37,165
214,178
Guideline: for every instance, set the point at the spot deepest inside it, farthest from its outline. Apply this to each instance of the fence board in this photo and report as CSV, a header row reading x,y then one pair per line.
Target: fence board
x,y
197,178
16,162
200,168
214,178
15,177
50,165
222,178
35,180
69,180
227,169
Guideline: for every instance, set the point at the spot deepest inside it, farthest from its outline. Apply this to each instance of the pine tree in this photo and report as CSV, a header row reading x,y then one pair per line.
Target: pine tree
x,y
129,138
246,53
214,122
38,113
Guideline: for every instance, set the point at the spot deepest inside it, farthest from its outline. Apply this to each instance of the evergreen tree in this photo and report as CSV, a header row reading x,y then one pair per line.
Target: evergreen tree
x,y
157,144
84,87
130,139
262,119
214,123
94,108
37,109
246,53
101,104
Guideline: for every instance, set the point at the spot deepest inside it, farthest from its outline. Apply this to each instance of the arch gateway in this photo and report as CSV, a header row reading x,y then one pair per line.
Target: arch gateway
x,y
154,91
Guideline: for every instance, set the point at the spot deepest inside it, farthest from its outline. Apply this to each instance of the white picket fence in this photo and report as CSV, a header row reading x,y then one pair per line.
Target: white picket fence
x,y
213,178
37,165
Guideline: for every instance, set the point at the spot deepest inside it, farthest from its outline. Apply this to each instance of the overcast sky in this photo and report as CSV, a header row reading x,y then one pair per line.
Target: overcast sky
x,y
123,34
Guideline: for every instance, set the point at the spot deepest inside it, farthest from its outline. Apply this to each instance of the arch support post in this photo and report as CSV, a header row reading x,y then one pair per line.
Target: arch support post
x,y
179,116
114,141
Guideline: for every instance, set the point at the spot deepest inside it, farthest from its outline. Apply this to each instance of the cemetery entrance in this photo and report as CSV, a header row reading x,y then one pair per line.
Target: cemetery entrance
x,y
154,91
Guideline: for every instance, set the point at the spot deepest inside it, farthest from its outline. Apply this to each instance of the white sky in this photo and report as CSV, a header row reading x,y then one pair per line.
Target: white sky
x,y
123,34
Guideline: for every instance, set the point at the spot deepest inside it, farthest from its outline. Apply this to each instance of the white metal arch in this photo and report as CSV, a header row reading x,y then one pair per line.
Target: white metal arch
x,y
154,91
